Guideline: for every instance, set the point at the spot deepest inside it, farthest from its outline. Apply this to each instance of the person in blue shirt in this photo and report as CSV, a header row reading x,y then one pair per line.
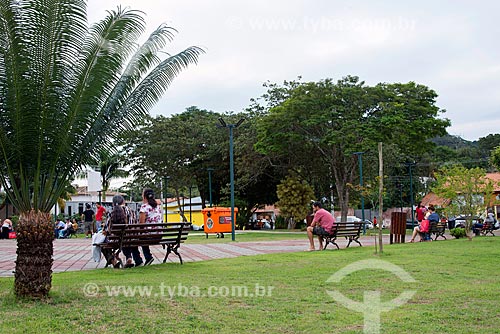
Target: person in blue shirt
x,y
431,216
60,225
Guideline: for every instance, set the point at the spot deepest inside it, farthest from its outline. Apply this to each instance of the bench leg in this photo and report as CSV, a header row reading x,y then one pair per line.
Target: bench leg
x,y
169,249
351,239
177,253
173,249
333,242
327,239
439,234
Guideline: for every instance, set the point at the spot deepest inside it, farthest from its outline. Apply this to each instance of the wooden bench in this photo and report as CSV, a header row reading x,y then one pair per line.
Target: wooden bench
x,y
488,228
168,235
437,229
350,231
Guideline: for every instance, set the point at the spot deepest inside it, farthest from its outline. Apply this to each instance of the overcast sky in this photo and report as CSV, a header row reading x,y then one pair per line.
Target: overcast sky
x,y
450,46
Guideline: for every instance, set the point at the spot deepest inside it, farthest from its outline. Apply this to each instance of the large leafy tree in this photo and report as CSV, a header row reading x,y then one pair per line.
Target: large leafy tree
x,y
64,87
186,145
320,125
181,147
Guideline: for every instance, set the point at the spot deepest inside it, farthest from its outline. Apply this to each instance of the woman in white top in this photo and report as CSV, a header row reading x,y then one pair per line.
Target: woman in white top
x,y
149,213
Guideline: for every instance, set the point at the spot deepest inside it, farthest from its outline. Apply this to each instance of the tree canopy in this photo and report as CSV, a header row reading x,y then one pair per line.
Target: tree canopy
x,y
318,126
468,190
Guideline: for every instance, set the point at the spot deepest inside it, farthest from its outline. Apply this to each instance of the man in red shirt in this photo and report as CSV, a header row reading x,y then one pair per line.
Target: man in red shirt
x,y
98,216
322,224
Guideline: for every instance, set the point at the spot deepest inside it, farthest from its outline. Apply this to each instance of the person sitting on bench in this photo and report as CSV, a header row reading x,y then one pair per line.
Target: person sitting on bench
x,y
432,216
321,225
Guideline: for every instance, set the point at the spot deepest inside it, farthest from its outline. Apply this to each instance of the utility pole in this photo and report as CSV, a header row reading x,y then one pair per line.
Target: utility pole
x,y
410,165
165,183
360,161
231,127
210,170
380,197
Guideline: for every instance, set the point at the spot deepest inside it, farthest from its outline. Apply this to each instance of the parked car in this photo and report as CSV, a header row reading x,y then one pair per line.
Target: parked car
x,y
350,219
461,219
369,224
354,219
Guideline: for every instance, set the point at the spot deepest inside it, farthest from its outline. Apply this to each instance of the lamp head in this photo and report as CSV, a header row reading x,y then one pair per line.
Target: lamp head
x,y
222,122
239,122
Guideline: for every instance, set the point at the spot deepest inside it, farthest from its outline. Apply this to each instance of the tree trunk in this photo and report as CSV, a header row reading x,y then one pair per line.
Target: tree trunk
x,y
33,274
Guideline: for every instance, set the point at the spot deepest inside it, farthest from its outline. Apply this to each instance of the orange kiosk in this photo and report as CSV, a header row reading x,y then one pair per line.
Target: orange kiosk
x,y
217,220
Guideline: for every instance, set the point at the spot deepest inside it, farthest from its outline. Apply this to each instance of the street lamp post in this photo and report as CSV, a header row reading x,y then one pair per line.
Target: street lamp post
x,y
360,162
231,167
165,182
210,170
190,206
410,165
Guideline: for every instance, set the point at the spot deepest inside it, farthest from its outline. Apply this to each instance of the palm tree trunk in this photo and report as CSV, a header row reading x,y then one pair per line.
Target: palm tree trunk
x,y
33,275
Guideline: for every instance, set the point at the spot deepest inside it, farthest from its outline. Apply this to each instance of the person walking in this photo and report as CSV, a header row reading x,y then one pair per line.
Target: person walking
x,y
88,221
101,210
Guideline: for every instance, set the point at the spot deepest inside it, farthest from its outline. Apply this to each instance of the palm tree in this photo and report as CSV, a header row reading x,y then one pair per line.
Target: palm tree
x,y
64,88
69,190
110,167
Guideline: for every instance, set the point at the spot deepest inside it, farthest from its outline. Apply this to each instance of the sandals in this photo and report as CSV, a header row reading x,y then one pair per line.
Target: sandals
x,y
129,264
117,263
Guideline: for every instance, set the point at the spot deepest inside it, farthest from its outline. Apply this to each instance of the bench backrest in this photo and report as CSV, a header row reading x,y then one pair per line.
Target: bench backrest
x,y
437,226
347,229
488,225
148,234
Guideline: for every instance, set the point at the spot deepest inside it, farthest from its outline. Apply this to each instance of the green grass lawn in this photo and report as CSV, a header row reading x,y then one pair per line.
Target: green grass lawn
x,y
198,237
457,291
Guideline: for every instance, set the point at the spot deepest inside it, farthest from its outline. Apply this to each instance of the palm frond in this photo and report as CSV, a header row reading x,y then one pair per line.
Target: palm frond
x,y
65,88
150,90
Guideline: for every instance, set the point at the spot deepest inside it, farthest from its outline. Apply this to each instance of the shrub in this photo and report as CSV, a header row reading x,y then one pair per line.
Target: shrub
x,y
458,232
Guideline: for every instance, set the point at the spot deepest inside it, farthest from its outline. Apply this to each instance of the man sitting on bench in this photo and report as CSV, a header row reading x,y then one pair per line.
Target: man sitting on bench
x,y
321,225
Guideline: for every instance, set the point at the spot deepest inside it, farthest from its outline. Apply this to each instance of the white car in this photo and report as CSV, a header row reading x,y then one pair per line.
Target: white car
x,y
350,219
461,219
354,219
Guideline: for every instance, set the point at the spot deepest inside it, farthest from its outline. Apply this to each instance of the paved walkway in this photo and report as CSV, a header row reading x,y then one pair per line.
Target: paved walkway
x,y
75,254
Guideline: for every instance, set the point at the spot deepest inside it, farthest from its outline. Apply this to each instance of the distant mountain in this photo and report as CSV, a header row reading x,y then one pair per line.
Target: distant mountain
x,y
453,142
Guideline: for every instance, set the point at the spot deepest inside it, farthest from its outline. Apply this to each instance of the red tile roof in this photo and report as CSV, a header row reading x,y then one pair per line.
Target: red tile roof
x,y
434,199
